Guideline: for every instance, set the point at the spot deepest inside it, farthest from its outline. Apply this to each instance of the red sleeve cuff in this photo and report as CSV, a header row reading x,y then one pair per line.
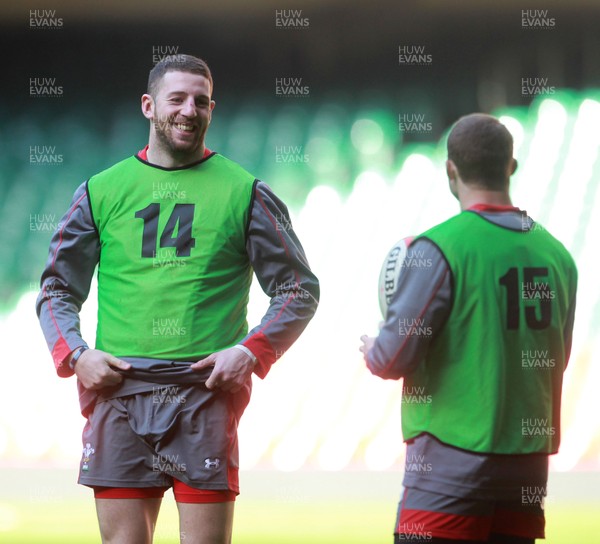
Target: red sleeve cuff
x,y
60,352
263,351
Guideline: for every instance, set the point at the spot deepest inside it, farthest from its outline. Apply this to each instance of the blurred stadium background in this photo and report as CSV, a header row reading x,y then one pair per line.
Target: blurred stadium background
x,y
317,100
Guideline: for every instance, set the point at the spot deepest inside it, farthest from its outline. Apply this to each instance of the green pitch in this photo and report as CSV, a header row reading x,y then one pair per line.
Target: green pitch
x,y
264,522
320,508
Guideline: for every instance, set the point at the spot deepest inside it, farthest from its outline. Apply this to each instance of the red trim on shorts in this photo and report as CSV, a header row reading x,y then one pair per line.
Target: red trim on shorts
x,y
455,526
182,492
129,492
187,494
523,524
441,525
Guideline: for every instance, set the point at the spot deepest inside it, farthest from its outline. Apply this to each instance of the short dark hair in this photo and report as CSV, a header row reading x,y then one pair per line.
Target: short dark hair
x,y
177,63
481,147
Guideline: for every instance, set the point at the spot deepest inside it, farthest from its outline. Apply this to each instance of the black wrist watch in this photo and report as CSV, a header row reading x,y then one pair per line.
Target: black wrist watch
x,y
76,354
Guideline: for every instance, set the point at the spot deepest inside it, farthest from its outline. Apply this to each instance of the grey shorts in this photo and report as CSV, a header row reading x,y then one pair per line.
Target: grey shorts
x,y
184,432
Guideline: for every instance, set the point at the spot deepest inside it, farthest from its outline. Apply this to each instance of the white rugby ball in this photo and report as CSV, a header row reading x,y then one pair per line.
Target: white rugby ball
x,y
390,272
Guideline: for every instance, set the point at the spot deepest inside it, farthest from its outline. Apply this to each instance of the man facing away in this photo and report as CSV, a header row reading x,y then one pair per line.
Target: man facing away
x,y
480,329
176,232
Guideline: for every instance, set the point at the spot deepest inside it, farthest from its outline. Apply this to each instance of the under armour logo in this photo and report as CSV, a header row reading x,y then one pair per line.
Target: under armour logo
x,y
212,463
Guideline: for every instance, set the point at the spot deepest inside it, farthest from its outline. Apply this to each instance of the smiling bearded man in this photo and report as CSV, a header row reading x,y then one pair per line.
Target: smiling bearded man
x,y
178,126
176,232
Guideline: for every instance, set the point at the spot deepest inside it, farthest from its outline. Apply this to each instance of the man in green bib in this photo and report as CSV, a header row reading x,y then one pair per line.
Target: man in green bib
x,y
480,329
176,232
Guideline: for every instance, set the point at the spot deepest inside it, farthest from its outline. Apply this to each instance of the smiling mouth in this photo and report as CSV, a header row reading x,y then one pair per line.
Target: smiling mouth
x,y
185,127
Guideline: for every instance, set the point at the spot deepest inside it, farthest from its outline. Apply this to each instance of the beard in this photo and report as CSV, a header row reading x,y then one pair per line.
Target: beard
x,y
180,146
